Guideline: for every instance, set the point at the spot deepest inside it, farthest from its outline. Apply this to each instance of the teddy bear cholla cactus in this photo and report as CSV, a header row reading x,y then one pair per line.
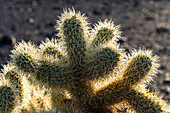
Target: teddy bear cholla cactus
x,y
89,64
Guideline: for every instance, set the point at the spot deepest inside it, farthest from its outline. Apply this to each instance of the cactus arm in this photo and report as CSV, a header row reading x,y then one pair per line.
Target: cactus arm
x,y
25,58
18,84
140,66
104,32
137,69
103,35
102,56
10,93
143,103
74,41
115,92
74,31
51,48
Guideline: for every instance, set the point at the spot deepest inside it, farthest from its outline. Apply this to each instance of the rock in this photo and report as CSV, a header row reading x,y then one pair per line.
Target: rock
x,y
7,40
31,20
166,82
162,30
162,67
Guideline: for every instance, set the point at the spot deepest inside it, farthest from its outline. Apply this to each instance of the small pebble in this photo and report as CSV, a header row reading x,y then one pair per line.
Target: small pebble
x,y
31,20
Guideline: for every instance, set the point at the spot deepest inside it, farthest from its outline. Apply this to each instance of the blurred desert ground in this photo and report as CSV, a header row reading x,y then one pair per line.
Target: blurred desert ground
x,y
145,23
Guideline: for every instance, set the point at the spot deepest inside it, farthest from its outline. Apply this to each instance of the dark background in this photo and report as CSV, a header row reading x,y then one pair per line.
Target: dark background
x,y
145,23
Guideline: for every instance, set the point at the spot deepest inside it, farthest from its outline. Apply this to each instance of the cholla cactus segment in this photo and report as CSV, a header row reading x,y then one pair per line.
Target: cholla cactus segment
x,y
74,40
10,73
19,85
102,36
10,100
25,56
149,101
138,69
73,29
143,103
72,15
141,66
104,32
51,48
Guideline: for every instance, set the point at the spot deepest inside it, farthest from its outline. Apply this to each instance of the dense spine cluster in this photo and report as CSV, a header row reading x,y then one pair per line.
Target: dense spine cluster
x,y
84,71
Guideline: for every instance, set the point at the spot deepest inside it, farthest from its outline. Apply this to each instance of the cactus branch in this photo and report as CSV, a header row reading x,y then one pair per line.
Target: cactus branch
x,y
142,104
